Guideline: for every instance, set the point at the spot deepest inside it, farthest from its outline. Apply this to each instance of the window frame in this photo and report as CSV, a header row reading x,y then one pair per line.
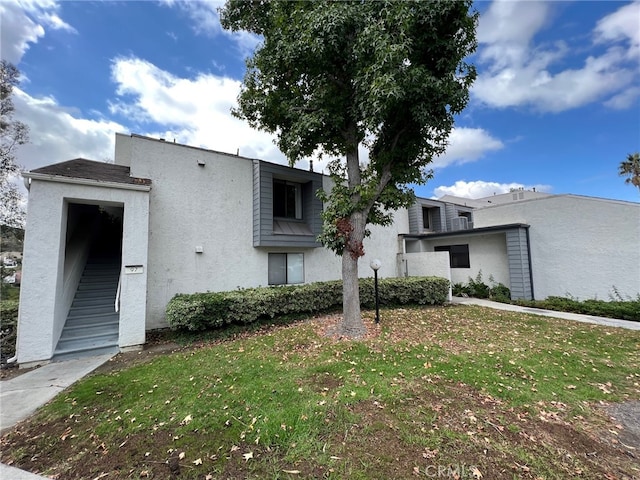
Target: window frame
x,y
297,199
458,254
286,270
426,215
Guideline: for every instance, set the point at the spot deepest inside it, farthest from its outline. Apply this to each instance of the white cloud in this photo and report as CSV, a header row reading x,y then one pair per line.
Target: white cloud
x,y
24,23
480,189
621,25
58,134
206,21
467,145
517,72
198,111
194,111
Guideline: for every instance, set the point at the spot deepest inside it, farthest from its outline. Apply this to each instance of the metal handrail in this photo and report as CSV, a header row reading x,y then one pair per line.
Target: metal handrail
x,y
117,301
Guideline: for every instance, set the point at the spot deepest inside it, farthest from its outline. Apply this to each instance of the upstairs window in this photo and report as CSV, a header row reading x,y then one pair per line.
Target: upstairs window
x,y
458,255
426,224
287,199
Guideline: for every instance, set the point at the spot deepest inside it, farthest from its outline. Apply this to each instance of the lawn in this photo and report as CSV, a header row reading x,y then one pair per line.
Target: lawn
x,y
431,393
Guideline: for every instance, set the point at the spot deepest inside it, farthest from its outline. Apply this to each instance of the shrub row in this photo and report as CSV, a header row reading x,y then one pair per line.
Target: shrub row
x,y
476,288
624,310
8,327
202,311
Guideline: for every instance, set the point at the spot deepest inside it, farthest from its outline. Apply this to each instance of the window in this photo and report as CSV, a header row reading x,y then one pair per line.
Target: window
x,y
458,255
287,199
425,218
286,268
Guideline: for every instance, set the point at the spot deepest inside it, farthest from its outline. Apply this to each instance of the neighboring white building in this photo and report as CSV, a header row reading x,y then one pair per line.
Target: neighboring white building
x,y
107,246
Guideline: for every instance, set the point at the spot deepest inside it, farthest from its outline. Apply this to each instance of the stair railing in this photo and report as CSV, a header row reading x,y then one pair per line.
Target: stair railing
x,y
117,301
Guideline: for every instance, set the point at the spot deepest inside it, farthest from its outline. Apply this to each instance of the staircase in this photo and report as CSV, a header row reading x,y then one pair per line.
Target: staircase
x,y
92,323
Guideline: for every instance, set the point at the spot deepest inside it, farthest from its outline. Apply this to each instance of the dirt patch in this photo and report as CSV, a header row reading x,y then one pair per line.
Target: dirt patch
x,y
495,432
626,416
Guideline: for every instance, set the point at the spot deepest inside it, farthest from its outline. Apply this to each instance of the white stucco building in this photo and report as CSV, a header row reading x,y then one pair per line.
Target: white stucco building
x,y
108,245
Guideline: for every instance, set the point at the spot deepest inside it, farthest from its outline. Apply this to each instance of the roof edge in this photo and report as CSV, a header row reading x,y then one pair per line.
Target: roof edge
x,y
85,181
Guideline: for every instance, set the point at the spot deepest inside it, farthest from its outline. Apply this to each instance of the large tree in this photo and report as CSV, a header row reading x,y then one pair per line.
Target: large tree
x,y
12,134
330,76
630,168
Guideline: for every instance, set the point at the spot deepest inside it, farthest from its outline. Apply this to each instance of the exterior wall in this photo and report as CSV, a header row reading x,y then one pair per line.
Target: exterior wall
x,y
43,302
487,253
580,246
211,206
425,264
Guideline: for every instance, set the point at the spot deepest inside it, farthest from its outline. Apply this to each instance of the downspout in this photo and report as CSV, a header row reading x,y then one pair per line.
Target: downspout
x,y
533,297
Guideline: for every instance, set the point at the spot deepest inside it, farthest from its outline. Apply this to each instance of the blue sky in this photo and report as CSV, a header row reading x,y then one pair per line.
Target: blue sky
x,y
556,105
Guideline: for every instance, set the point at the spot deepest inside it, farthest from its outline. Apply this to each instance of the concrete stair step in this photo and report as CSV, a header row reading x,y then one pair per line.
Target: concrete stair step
x,y
89,332
87,350
86,343
77,329
93,300
81,311
98,286
87,320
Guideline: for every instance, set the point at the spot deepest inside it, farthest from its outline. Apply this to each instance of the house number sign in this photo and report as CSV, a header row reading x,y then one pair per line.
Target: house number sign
x,y
133,269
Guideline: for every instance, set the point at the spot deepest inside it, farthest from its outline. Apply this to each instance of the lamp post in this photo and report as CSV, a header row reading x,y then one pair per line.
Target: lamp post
x,y
375,266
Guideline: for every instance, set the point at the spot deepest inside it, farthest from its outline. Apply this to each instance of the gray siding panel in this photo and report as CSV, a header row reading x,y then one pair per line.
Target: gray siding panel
x,y
263,234
437,216
415,212
518,259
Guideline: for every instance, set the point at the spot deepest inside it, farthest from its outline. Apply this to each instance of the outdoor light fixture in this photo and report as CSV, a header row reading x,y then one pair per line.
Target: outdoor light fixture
x,y
375,266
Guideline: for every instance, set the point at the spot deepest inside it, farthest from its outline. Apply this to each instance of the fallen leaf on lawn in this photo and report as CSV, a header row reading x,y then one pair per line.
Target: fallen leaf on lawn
x,y
208,477
247,456
475,472
182,455
293,472
234,448
197,461
186,420
144,473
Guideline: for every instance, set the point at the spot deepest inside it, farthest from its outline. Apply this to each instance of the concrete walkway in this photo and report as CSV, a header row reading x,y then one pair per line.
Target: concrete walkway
x,y
609,322
21,396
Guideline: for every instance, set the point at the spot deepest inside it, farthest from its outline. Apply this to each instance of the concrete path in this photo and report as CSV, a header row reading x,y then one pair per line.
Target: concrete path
x,y
21,396
609,322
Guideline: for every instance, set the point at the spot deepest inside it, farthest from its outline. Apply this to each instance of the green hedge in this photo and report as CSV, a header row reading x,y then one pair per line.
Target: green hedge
x,y
202,311
8,327
624,310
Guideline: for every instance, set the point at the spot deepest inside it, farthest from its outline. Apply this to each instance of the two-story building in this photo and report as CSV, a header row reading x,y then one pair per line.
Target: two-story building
x,y
108,245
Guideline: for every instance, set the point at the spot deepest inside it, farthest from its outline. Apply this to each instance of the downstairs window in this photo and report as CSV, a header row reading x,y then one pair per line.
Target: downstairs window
x,y
458,255
286,268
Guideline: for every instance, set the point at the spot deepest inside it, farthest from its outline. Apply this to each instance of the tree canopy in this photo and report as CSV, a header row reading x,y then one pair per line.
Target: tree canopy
x,y
330,76
12,134
630,168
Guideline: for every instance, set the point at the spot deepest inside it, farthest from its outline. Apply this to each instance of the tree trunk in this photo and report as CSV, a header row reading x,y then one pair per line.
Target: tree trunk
x,y
352,325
